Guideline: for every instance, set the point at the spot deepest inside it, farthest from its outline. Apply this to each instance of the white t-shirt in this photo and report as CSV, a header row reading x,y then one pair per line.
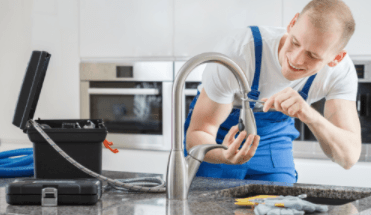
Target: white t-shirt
x,y
339,82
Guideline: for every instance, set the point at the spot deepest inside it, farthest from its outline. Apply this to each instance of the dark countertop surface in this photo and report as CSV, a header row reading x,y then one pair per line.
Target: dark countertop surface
x,y
207,196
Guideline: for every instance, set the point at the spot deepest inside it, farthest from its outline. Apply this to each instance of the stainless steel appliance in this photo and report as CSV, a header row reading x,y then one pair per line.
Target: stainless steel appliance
x,y
132,98
363,68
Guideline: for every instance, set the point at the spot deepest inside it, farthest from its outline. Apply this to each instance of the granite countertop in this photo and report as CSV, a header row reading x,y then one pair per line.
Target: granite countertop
x,y
207,196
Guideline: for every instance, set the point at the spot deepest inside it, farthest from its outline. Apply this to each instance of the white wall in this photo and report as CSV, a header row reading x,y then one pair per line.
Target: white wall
x,y
49,25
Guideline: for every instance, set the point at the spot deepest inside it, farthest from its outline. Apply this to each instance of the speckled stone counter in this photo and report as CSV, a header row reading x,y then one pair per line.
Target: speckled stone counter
x,y
207,196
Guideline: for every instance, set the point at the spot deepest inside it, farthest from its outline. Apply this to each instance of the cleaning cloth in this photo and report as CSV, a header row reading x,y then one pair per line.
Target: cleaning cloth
x,y
290,205
273,210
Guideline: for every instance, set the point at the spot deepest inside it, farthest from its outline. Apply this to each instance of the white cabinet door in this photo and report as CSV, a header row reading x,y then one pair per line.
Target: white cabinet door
x,y
131,160
199,25
131,28
359,44
326,172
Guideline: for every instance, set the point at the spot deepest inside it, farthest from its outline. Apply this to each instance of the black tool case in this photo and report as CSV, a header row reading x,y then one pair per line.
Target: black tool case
x,y
47,192
82,144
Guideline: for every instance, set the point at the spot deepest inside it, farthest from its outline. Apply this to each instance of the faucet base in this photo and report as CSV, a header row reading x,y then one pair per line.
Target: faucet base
x,y
177,176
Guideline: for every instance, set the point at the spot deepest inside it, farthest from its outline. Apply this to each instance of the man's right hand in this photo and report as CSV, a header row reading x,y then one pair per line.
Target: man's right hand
x,y
239,156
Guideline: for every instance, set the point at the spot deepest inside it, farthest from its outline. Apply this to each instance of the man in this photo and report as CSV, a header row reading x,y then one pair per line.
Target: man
x,y
298,67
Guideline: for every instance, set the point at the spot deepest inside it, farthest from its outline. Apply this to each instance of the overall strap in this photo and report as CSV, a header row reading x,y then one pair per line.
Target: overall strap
x,y
308,84
258,43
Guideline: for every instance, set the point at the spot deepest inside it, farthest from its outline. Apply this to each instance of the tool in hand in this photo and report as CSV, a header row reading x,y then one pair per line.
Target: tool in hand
x,y
256,109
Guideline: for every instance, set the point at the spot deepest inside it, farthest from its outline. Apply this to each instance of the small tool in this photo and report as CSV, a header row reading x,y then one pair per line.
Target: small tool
x,y
256,109
255,200
108,144
252,100
89,125
257,101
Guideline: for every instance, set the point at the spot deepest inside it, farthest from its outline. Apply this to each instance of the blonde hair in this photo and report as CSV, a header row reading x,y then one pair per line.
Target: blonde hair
x,y
323,13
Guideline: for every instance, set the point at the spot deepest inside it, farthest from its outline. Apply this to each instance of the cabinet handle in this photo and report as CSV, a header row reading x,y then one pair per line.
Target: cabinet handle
x,y
126,91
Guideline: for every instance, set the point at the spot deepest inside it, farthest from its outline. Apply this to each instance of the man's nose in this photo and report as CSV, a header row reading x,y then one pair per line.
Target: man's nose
x,y
298,57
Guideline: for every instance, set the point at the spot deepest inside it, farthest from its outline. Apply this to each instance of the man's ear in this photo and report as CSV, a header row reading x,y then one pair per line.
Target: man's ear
x,y
338,58
292,23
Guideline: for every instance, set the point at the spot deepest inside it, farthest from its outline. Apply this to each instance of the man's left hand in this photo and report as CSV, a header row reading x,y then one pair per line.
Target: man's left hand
x,y
290,102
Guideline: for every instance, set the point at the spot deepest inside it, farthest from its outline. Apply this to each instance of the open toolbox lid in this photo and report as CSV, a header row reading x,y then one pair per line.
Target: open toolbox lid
x,y
31,88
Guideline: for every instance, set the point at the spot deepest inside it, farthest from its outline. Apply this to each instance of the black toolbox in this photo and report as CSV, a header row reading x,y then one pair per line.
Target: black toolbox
x,y
47,192
80,139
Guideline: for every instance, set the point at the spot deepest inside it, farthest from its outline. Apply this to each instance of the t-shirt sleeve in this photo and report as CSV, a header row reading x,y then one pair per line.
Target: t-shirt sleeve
x,y
218,81
344,86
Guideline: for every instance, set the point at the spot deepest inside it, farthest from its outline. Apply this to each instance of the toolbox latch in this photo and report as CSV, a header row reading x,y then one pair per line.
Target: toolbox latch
x,y
49,197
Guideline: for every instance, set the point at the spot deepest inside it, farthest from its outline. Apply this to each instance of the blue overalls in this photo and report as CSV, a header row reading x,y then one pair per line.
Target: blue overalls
x,y
273,160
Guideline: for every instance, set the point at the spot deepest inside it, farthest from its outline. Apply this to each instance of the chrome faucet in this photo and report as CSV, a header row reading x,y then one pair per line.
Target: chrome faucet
x,y
180,170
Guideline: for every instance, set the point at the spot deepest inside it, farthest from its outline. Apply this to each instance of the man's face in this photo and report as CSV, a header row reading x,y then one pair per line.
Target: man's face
x,y
306,49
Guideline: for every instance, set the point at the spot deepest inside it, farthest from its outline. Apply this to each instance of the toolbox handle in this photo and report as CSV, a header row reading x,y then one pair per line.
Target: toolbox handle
x,y
49,197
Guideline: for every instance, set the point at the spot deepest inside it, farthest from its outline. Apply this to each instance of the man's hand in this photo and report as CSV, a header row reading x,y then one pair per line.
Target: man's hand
x,y
239,156
290,102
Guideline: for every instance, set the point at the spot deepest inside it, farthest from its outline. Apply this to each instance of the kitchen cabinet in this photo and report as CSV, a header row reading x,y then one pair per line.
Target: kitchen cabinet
x,y
131,160
199,25
326,172
133,28
361,14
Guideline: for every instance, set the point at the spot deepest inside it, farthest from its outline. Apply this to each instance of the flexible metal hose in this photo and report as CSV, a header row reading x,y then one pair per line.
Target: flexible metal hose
x,y
153,185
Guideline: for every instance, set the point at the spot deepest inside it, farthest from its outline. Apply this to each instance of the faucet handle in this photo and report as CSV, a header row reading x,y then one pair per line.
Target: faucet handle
x,y
198,152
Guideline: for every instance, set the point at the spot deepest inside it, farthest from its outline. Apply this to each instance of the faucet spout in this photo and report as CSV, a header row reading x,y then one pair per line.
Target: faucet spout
x,y
178,178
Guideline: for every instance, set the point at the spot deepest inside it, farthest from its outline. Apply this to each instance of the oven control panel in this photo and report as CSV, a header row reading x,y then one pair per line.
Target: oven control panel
x,y
363,68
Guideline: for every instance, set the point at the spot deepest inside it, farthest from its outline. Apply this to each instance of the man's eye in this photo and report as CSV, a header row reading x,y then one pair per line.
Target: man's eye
x,y
295,44
311,56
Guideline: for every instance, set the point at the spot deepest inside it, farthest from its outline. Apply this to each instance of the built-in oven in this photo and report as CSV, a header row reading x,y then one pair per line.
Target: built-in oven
x,y
193,80
363,103
132,98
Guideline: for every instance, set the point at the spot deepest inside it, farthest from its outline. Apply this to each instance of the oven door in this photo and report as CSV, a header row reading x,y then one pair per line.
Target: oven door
x,y
136,114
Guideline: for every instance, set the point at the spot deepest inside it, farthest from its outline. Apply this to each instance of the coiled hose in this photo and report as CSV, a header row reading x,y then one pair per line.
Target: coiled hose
x,y
153,185
19,166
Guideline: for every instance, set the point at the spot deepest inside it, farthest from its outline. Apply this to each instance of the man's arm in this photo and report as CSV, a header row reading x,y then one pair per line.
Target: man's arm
x,y
339,132
206,118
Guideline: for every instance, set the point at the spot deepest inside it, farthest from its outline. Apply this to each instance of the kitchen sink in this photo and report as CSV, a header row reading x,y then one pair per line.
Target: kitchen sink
x,y
318,194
